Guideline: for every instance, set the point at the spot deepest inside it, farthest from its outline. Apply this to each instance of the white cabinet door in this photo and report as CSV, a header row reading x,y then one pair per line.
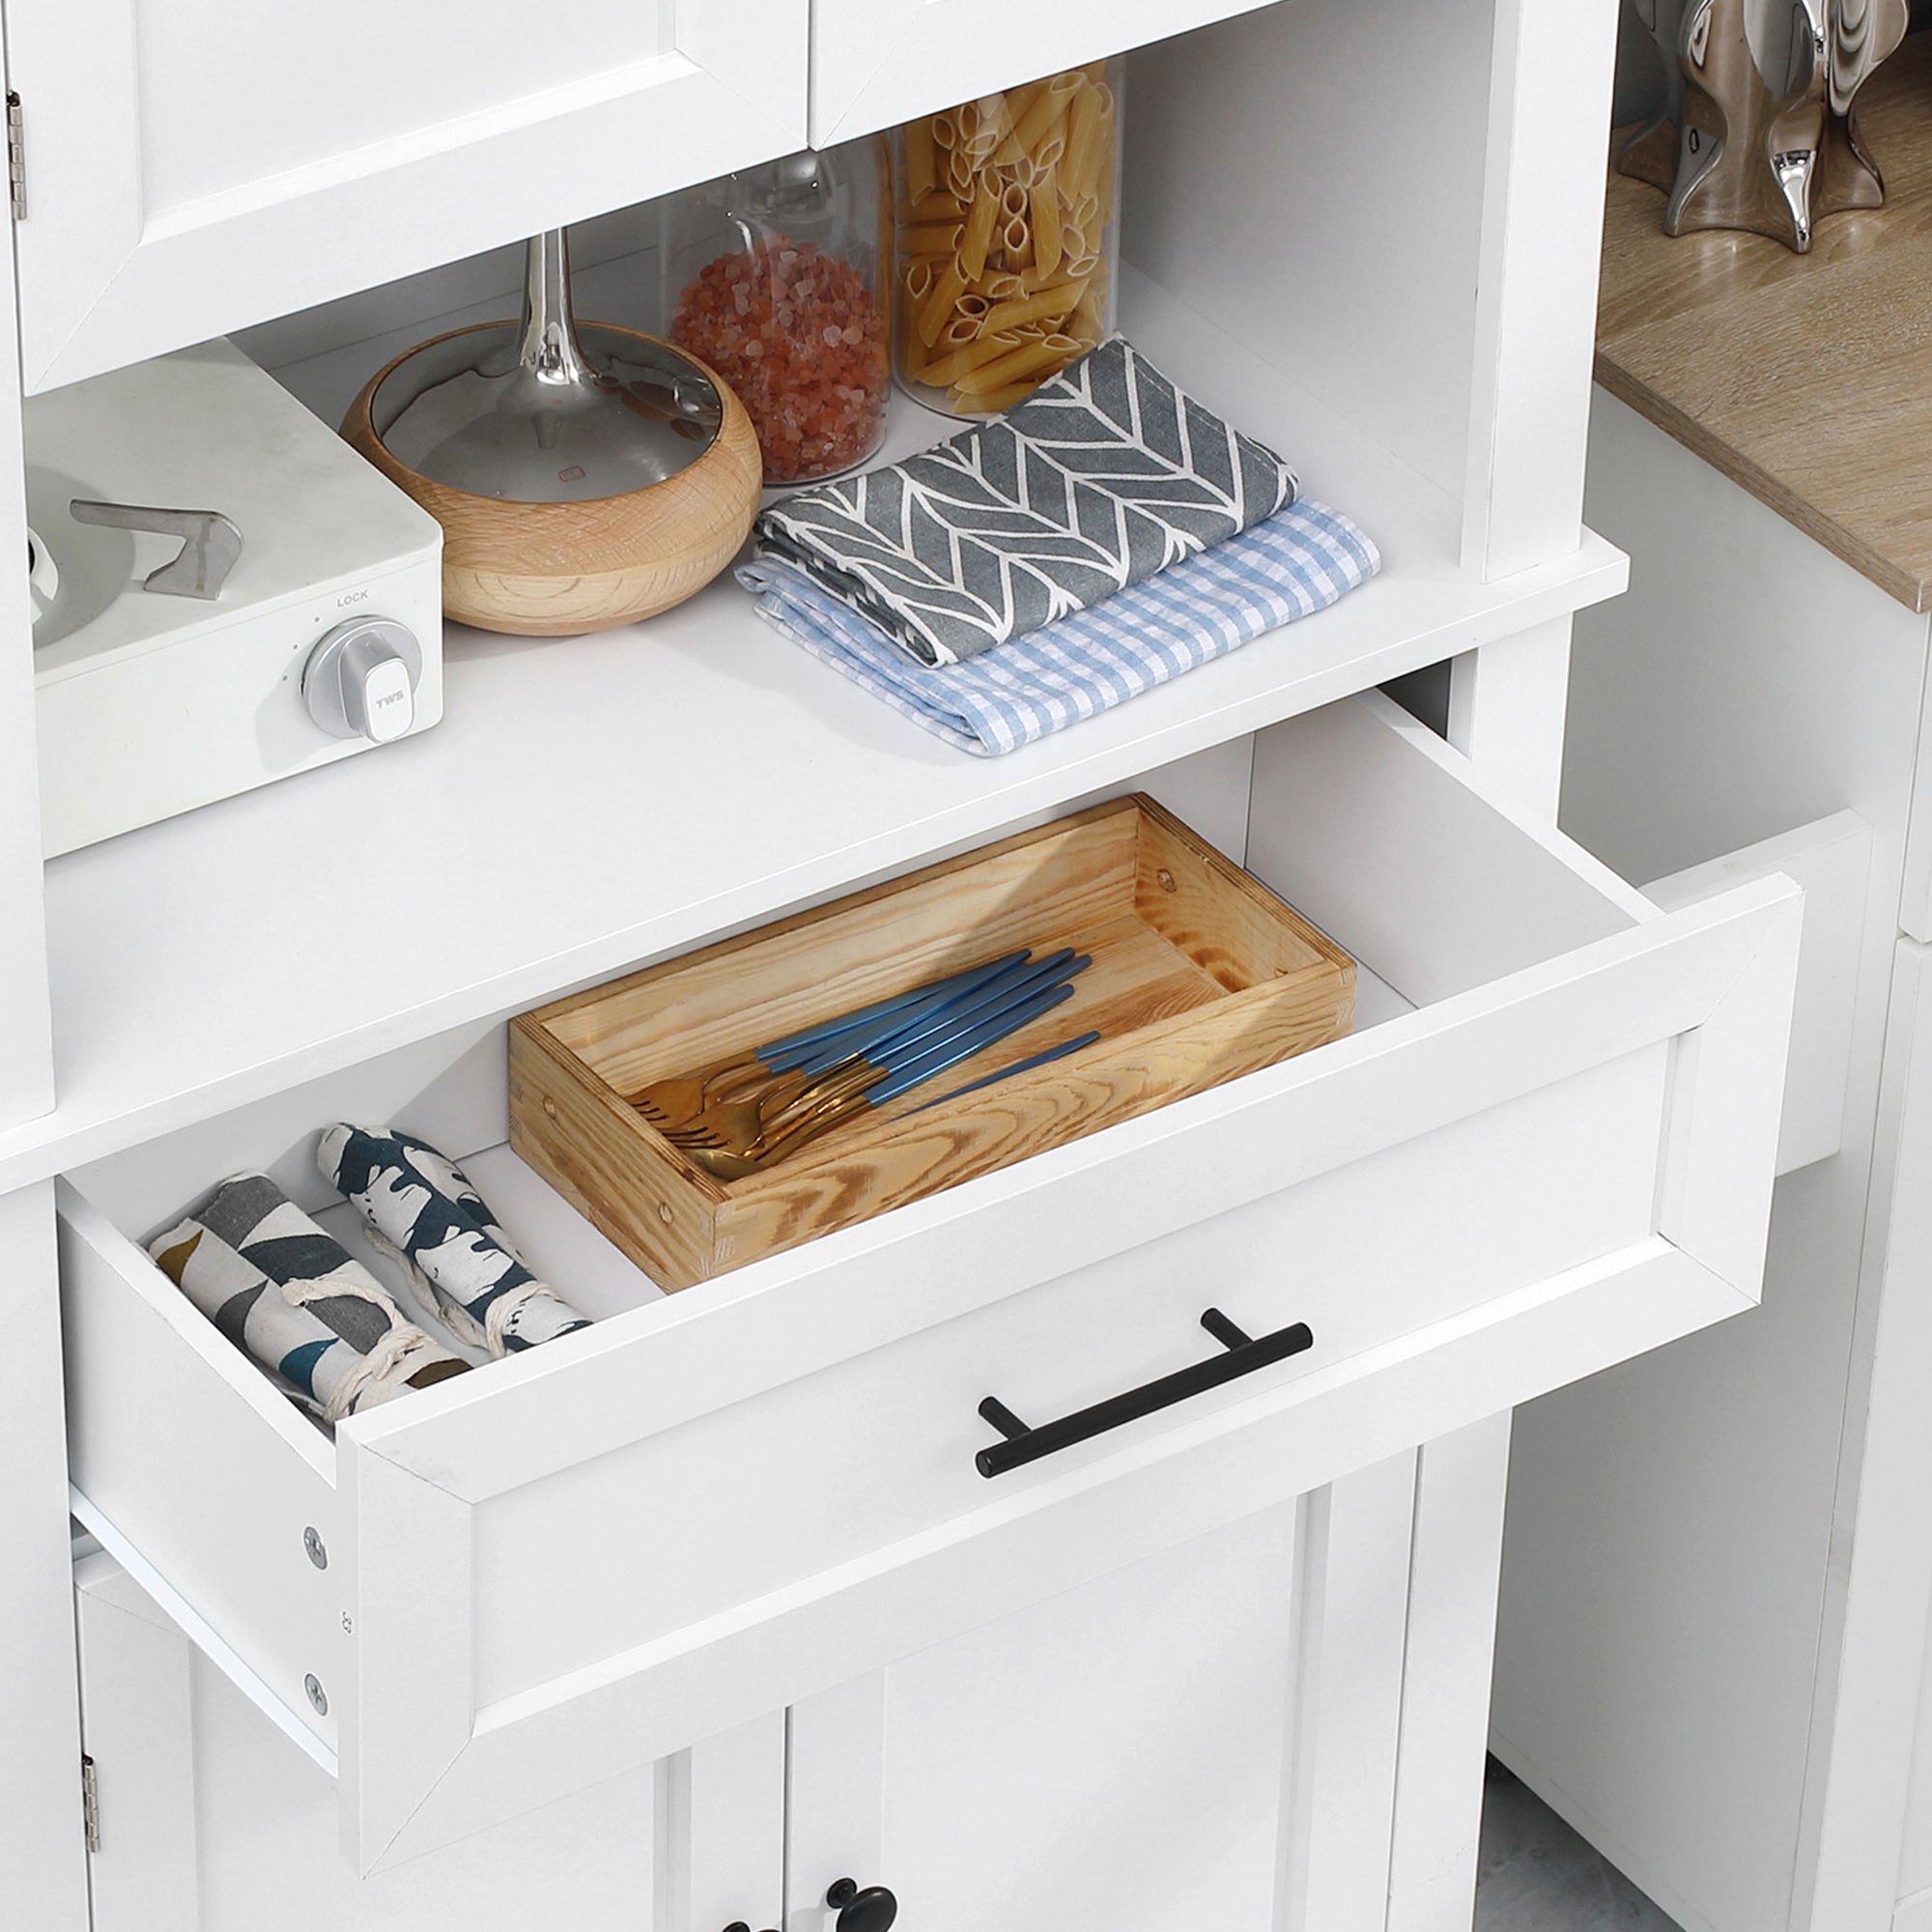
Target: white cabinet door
x,y
1207,1737
876,63
193,169
212,1821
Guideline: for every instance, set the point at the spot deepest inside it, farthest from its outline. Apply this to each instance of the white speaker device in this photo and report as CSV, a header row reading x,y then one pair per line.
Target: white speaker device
x,y
224,593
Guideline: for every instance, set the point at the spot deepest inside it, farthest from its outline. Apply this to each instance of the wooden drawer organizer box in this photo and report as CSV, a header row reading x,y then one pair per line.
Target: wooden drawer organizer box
x,y
1199,974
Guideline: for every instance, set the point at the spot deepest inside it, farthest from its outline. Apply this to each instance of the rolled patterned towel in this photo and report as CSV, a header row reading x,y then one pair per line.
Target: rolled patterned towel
x,y
295,1299
421,1209
1101,478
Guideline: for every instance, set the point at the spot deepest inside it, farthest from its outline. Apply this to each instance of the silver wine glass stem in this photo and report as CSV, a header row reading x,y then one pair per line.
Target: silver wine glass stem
x,y
549,347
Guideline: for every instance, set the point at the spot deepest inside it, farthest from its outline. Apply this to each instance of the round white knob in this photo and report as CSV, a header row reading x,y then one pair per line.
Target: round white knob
x,y
360,680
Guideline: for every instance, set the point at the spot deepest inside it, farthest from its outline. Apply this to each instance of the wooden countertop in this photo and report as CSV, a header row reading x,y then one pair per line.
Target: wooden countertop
x,y
1807,378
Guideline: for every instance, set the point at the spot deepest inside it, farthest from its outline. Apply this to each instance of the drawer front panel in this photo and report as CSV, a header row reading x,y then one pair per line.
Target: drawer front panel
x,y
767,1495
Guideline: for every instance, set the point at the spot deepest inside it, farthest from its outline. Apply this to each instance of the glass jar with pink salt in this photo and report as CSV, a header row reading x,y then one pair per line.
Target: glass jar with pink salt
x,y
778,277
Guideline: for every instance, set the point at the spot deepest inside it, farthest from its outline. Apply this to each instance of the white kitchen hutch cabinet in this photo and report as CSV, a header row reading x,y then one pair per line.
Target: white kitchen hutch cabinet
x,y
730,1544
1719,1565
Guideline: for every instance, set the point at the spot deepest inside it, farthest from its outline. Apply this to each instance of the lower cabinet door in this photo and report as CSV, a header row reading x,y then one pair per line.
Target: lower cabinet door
x,y
210,1821
1548,1145
1211,1737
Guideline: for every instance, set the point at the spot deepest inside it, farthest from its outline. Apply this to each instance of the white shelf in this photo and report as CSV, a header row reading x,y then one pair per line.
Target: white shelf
x,y
593,803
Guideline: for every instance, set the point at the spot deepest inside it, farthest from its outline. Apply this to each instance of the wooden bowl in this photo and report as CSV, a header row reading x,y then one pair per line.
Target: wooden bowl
x,y
554,570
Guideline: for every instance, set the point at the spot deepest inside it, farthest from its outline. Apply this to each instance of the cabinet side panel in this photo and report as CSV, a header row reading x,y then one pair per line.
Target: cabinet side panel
x,y
43,1864
1669,1585
26,1052
1875,1807
1311,177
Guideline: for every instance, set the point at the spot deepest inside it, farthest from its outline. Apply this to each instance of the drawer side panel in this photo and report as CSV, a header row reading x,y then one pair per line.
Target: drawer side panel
x,y
203,1472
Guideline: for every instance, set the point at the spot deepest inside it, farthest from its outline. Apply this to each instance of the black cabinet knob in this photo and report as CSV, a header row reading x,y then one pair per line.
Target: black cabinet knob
x,y
737,1925
872,1910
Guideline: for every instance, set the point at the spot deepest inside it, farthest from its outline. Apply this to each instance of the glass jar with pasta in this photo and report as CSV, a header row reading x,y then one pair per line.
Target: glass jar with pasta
x,y
776,276
1005,238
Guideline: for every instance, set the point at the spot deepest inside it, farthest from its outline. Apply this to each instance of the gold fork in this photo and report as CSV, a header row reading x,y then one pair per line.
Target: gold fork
x,y
738,1124
724,1163
681,1096
677,1099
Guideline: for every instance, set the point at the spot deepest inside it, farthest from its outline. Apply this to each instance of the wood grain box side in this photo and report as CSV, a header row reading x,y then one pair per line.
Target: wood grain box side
x,y
596,1152
1110,1082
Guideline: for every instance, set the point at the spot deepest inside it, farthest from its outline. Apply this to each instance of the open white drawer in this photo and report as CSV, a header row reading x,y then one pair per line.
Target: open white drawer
x,y
710,1505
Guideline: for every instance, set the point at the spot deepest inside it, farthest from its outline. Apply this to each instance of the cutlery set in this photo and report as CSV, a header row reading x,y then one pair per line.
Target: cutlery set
x,y
743,1114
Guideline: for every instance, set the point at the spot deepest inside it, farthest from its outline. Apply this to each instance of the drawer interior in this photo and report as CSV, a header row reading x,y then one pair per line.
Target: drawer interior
x,y
1362,818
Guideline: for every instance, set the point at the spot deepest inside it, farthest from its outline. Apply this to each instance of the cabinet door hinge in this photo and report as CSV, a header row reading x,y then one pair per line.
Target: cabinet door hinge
x,y
16,159
90,1803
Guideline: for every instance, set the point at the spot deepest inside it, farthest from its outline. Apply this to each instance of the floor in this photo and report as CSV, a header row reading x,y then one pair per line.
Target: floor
x,y
1537,1875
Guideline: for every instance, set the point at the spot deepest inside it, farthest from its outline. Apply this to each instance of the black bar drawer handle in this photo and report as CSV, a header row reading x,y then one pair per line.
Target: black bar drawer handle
x,y
1244,1354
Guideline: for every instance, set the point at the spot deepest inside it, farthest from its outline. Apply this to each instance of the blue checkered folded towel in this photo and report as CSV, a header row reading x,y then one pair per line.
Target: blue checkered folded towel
x,y
1296,562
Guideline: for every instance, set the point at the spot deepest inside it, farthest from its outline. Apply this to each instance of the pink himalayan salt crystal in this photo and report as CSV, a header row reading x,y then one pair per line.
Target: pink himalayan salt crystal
x,y
800,341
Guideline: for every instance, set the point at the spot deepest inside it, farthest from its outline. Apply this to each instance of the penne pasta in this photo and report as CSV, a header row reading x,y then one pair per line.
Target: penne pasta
x,y
920,161
1035,116
937,205
978,234
931,237
1048,305
1086,130
997,401
936,310
1028,359
1003,223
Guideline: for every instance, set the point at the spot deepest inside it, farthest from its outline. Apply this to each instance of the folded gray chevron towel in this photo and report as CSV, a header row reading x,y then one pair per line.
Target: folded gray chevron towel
x,y
1102,477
